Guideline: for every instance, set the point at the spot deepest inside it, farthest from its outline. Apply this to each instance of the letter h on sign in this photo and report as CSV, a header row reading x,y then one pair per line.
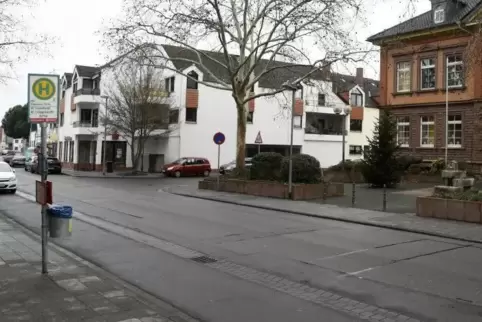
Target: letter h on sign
x,y
44,87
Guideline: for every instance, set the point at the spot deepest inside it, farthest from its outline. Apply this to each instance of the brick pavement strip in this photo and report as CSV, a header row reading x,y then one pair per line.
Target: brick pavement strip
x,y
72,291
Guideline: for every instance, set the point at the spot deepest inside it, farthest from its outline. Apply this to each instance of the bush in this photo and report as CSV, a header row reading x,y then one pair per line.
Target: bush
x,y
306,169
349,166
437,166
266,166
405,161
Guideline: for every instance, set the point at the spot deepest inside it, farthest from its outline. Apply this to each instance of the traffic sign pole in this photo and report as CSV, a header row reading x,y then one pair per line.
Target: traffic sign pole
x,y
219,158
219,139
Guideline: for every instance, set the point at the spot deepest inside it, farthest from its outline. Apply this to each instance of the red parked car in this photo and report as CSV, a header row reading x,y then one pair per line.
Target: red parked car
x,y
188,167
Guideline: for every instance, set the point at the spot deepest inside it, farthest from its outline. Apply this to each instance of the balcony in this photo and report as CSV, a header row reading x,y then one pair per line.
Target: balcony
x,y
323,127
86,127
87,95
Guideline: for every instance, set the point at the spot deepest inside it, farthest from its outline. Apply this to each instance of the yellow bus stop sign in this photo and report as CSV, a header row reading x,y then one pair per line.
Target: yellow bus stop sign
x,y
43,89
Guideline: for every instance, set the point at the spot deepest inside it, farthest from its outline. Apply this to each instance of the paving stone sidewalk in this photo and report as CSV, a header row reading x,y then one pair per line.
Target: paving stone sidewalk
x,y
73,290
399,221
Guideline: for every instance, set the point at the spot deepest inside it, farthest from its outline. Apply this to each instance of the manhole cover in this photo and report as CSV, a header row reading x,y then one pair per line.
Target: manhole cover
x,y
204,259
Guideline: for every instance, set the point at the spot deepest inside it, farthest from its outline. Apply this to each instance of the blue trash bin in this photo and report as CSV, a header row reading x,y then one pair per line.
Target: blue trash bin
x,y
60,220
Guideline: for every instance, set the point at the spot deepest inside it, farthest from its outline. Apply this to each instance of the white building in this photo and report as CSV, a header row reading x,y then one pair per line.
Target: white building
x,y
80,133
52,138
199,111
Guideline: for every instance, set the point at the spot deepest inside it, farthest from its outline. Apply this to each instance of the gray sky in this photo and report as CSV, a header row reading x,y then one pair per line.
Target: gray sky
x,y
75,25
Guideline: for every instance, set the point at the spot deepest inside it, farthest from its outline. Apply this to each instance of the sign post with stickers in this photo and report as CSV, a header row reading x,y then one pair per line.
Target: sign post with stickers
x,y
43,108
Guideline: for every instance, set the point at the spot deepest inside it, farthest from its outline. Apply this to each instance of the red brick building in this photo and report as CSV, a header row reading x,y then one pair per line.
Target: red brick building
x,y
419,59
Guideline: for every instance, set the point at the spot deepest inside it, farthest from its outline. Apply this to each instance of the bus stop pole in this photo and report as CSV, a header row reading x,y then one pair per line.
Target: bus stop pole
x,y
44,172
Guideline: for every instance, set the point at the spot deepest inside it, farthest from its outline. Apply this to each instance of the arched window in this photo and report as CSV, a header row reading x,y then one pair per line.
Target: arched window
x,y
192,80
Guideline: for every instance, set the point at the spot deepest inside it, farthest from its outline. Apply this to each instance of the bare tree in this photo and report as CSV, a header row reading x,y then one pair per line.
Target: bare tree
x,y
16,40
254,39
137,106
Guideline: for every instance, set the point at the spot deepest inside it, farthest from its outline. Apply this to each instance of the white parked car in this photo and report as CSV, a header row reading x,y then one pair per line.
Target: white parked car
x,y
8,179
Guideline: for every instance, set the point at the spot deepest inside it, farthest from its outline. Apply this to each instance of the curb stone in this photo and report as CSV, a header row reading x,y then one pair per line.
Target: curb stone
x,y
347,220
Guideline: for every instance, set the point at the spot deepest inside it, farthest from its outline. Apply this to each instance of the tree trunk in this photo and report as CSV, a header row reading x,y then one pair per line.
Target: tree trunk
x,y
241,137
133,155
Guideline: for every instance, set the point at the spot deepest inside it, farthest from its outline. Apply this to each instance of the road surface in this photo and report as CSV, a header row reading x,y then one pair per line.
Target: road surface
x,y
223,262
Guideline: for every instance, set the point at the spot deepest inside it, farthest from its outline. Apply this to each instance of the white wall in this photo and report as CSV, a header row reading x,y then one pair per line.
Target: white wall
x,y
370,116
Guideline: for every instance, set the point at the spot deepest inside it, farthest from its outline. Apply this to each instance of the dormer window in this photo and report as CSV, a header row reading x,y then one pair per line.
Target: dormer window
x,y
439,15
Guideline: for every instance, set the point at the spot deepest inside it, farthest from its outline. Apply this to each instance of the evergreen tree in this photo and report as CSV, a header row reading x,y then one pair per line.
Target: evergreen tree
x,y
380,165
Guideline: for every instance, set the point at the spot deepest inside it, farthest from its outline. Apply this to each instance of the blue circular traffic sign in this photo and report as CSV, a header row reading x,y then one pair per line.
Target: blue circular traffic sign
x,y
219,138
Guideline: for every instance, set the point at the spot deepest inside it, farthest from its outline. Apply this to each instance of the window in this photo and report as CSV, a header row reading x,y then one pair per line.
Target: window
x,y
356,150
298,121
71,158
403,131
191,115
366,149
439,15
249,118
356,99
454,71
427,73
356,125
192,80
173,116
61,119
403,77
427,130
60,150
455,131
65,150
16,140
321,100
169,84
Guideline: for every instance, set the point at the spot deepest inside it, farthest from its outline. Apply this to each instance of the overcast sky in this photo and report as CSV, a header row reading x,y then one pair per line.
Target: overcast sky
x,y
76,23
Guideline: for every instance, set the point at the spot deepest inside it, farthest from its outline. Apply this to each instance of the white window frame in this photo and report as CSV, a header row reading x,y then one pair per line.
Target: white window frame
x,y
403,125
439,15
454,65
422,68
429,122
400,71
453,122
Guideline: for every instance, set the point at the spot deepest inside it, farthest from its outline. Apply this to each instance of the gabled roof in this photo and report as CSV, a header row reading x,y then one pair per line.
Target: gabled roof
x,y
342,84
458,11
210,62
86,71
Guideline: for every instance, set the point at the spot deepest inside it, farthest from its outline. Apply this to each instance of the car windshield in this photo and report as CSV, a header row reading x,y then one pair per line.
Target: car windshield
x,y
5,167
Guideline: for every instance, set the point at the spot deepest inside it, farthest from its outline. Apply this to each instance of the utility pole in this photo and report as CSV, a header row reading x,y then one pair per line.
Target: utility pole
x,y
293,88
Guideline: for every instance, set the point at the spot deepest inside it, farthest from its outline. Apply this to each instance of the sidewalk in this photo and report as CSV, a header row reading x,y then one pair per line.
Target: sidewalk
x,y
74,290
404,222
122,174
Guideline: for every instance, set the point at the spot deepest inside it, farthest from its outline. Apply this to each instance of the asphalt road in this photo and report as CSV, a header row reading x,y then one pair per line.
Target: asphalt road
x,y
271,266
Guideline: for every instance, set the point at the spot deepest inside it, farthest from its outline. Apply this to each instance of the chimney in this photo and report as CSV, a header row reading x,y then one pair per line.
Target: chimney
x,y
359,76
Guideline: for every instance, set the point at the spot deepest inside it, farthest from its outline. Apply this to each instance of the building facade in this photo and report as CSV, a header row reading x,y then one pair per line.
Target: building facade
x,y
424,69
80,132
198,111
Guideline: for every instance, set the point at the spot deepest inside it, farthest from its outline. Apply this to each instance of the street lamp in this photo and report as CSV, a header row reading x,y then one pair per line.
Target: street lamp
x,y
104,150
346,111
293,88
